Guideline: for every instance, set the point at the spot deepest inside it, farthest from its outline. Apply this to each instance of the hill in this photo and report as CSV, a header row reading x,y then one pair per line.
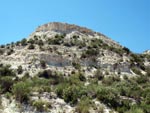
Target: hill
x,y
71,69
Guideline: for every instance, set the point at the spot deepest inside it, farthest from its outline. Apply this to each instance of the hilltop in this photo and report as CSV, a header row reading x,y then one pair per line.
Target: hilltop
x,y
71,69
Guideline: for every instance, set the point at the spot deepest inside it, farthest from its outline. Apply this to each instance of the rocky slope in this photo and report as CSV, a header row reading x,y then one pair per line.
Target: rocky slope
x,y
85,63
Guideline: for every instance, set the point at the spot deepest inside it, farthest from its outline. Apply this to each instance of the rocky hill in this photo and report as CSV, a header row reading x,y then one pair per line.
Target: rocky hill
x,y
64,68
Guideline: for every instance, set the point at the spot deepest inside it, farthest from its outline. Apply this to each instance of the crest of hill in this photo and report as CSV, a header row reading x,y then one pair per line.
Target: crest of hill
x,y
64,28
69,28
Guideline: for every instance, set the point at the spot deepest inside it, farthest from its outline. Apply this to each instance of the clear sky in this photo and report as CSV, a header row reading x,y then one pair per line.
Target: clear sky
x,y
125,21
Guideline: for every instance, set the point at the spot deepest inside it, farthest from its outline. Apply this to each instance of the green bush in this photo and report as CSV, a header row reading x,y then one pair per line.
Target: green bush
x,y
92,52
84,105
31,46
31,41
108,96
70,94
5,70
20,70
148,71
2,51
82,77
21,90
135,110
57,40
76,65
99,75
110,79
142,79
43,64
41,106
23,42
6,83
96,43
10,51
59,89
40,43
2,46
76,79
127,50
136,71
36,81
136,58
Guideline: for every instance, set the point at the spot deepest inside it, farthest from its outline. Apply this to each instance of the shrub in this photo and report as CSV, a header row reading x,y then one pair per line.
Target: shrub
x,y
136,58
8,95
142,79
36,81
90,52
136,71
6,83
41,105
10,51
23,42
2,46
108,96
127,50
40,43
135,110
76,65
84,105
99,75
21,90
19,70
18,43
70,94
31,46
76,79
59,89
2,51
96,43
148,71
82,77
6,71
110,80
75,37
57,40
46,74
31,41
43,64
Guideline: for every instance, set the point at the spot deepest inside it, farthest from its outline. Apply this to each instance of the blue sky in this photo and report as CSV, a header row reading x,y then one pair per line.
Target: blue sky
x,y
125,21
